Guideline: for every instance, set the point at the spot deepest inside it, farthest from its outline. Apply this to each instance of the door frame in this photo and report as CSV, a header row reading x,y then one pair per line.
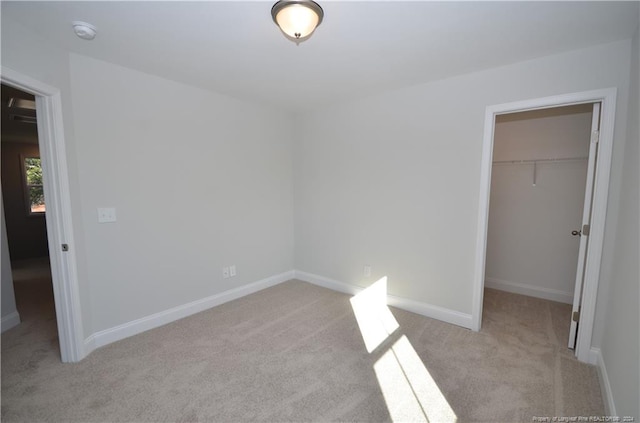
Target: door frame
x,y
58,216
600,193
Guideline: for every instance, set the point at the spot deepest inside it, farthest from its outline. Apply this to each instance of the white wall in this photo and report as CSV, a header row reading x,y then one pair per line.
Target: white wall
x,y
392,180
199,181
9,313
530,249
618,310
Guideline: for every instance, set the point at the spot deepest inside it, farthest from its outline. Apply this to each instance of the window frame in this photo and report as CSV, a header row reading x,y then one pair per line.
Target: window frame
x,y
26,187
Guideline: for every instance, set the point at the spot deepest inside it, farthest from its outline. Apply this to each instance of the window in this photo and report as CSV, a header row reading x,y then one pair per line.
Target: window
x,y
34,192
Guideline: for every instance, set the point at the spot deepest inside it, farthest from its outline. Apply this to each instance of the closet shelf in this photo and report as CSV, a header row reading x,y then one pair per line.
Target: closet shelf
x,y
534,161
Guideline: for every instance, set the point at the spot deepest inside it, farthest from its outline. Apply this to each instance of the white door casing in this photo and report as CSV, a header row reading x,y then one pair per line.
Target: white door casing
x,y
58,215
607,99
586,221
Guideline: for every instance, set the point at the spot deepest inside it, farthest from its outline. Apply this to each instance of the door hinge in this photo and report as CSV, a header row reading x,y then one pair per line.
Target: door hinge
x,y
595,137
586,229
576,316
65,247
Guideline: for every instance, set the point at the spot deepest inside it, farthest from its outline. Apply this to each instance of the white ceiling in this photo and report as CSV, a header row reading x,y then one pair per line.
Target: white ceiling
x,y
233,47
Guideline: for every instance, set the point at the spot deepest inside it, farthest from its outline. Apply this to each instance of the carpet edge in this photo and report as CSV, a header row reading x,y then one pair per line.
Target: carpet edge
x,y
134,327
428,310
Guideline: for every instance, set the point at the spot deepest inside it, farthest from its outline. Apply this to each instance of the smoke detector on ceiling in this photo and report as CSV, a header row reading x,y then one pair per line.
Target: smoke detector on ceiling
x,y
84,30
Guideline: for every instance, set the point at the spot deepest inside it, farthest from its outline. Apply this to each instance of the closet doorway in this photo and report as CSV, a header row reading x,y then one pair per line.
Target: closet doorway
x,y
539,185
603,142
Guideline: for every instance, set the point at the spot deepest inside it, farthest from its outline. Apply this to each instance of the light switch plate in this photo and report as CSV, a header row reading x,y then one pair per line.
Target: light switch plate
x,y
106,214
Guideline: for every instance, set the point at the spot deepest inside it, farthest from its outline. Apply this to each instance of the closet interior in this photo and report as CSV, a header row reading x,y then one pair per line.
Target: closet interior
x,y
539,171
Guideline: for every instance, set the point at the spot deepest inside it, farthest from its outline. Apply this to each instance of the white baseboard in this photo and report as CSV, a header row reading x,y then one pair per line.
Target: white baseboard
x,y
427,310
530,290
143,324
10,321
595,357
328,283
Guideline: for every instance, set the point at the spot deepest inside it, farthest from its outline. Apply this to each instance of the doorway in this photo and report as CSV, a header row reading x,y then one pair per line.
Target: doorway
x,y
593,255
24,209
58,216
537,199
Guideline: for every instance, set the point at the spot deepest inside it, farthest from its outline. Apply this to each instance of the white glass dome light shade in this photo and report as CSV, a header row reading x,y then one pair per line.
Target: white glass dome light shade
x,y
297,18
297,21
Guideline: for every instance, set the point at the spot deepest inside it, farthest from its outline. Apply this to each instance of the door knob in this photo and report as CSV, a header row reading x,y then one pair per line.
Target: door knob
x,y
576,233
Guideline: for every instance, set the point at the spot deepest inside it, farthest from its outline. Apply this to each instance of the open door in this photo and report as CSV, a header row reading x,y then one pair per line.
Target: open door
x,y
586,222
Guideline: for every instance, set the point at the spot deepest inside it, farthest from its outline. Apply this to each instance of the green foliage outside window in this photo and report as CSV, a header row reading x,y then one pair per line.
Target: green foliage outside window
x,y
33,173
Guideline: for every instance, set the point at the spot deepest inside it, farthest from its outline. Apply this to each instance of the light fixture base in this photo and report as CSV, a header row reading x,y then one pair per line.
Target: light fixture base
x,y
84,30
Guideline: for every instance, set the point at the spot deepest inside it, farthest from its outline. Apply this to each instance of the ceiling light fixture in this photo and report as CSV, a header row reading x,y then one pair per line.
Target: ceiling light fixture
x,y
84,30
297,19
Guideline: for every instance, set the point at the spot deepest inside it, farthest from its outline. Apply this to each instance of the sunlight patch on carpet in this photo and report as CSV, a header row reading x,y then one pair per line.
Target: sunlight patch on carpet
x,y
409,391
374,317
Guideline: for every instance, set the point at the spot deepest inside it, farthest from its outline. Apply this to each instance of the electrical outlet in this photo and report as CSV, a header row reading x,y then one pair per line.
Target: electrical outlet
x,y
225,272
367,271
232,270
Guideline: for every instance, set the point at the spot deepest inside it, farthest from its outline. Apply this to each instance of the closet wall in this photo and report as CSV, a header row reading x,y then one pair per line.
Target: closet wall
x,y
530,249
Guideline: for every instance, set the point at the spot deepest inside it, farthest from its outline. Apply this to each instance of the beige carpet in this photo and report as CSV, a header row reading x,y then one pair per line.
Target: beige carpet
x,y
295,352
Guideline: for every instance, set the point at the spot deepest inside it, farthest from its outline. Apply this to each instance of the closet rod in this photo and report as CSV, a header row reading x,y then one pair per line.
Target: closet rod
x,y
532,161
